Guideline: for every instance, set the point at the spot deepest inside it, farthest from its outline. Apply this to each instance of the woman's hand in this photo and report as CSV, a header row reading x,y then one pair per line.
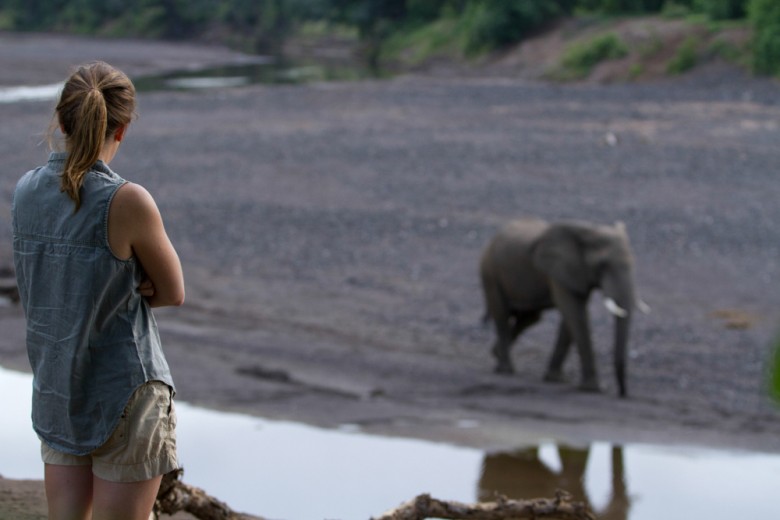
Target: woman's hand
x,y
146,288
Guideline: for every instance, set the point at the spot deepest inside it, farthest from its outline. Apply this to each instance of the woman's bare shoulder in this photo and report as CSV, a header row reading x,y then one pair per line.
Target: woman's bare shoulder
x,y
133,200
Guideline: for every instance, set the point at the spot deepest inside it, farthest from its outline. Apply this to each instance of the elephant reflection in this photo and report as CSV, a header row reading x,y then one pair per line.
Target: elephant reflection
x,y
523,475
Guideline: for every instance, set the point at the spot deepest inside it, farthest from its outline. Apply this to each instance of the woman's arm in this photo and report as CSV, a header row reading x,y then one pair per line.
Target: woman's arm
x,y
135,226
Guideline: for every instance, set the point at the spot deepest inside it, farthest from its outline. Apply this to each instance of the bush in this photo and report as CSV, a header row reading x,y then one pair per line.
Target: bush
x,y
685,59
675,10
765,18
413,47
728,51
774,372
580,58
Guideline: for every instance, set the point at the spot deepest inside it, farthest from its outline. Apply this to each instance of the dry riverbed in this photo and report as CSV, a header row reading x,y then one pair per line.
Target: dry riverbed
x,y
330,235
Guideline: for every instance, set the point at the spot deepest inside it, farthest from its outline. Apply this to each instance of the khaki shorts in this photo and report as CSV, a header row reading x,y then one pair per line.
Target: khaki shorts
x,y
142,446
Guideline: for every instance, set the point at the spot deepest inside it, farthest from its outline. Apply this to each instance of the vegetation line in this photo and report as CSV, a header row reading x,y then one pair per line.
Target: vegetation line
x,y
389,29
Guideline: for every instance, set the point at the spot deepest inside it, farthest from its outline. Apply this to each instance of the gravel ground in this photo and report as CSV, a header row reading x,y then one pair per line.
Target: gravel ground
x,y
330,235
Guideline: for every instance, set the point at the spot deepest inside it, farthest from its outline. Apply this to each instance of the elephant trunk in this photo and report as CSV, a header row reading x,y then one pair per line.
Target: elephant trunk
x,y
621,347
619,298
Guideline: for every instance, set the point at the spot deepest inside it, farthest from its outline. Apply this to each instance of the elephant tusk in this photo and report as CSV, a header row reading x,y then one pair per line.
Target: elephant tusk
x,y
614,308
643,307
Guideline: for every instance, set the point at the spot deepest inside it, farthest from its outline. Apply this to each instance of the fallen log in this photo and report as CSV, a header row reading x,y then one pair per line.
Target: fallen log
x,y
424,506
175,496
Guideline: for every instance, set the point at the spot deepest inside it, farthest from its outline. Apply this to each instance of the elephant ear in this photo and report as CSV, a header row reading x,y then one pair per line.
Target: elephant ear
x,y
559,253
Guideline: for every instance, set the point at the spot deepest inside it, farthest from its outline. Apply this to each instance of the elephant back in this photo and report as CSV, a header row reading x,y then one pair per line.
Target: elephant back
x,y
507,265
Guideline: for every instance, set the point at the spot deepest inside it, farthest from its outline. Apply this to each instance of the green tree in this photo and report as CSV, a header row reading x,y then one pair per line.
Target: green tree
x,y
369,16
621,6
30,15
722,9
495,23
421,11
765,18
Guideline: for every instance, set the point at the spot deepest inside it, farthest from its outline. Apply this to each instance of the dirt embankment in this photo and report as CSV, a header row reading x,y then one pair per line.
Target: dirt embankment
x,y
654,47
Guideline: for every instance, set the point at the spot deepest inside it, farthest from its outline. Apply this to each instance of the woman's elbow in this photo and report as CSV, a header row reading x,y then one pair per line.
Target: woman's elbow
x,y
178,300
173,299
173,292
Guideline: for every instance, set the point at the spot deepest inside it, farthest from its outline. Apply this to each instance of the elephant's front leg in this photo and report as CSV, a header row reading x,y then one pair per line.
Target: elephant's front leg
x,y
554,372
574,309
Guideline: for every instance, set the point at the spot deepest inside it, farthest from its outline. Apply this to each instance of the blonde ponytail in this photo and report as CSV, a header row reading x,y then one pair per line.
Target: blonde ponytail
x,y
95,102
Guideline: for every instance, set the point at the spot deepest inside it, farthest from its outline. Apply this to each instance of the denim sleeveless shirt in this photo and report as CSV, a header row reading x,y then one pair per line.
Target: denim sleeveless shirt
x,y
91,337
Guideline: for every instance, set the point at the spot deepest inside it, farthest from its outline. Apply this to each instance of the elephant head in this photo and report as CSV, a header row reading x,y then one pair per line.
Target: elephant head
x,y
578,258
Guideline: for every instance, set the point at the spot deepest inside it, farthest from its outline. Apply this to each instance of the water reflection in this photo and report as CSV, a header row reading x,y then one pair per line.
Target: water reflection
x,y
295,472
275,469
526,474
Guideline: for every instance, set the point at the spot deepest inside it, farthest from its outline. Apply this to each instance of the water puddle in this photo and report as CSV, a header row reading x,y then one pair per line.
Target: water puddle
x,y
266,70
289,471
29,93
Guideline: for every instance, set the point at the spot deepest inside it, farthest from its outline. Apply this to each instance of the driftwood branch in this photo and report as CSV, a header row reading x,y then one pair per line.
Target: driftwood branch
x,y
175,496
424,506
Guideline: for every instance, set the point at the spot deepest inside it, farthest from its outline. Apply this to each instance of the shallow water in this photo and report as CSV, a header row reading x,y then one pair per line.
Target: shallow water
x,y
29,93
266,70
291,471
261,70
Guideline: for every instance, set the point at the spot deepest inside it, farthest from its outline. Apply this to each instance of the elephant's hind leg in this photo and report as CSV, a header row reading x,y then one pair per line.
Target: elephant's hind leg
x,y
498,311
509,331
554,372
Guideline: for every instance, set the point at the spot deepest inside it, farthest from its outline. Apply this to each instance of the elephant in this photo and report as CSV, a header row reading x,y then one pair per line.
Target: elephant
x,y
532,265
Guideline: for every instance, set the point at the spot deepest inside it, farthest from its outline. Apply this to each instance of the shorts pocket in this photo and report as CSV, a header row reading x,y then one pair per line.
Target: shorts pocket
x,y
120,434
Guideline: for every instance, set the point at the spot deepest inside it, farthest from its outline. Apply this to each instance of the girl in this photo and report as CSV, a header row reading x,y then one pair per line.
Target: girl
x,y
92,257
